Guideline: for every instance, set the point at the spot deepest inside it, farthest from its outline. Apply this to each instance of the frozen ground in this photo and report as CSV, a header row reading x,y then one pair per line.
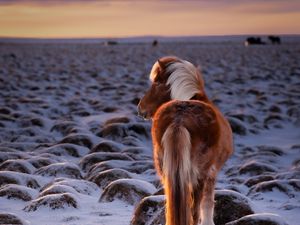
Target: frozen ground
x,y
73,151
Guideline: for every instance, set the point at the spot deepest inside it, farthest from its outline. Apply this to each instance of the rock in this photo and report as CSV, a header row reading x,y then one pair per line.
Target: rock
x,y
10,177
17,192
258,179
5,110
53,201
138,153
117,120
230,205
129,190
10,218
256,168
104,178
60,170
64,127
244,117
117,131
131,166
66,150
270,149
9,155
237,126
160,218
288,187
97,157
293,173
148,210
57,189
80,186
78,139
139,129
275,109
272,118
259,219
107,146
17,165
39,162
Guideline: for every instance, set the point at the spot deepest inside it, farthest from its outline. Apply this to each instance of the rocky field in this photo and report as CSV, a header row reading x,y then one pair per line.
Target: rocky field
x,y
73,151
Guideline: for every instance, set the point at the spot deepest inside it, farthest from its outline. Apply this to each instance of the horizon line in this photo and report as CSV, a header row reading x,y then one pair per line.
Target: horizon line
x,y
149,36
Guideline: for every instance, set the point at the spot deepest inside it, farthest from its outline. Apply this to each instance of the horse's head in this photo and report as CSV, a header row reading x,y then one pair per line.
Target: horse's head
x,y
172,78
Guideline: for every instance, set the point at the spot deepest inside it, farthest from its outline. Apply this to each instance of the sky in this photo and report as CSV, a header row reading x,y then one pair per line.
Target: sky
x,y
127,18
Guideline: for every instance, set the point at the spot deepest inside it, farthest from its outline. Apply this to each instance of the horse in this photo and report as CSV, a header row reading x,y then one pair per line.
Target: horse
x,y
191,140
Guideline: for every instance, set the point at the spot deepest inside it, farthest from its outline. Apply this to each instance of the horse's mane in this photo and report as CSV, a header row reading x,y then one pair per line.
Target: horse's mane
x,y
185,80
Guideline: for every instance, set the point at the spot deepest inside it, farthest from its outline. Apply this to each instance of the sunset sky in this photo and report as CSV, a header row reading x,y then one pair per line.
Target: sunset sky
x,y
123,18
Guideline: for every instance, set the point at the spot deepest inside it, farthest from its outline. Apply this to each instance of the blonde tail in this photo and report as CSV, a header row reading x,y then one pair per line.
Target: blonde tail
x,y
176,143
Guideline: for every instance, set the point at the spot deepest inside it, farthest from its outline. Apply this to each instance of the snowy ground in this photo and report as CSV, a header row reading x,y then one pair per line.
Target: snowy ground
x,y
68,120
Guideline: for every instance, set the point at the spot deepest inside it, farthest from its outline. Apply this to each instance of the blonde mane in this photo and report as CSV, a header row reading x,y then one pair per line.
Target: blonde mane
x,y
185,80
154,71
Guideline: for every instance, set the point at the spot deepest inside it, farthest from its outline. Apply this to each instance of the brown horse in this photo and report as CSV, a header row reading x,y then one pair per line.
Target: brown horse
x,y
191,140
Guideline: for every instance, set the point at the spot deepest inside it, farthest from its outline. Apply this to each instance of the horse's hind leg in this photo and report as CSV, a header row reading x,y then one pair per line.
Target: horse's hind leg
x,y
197,196
207,203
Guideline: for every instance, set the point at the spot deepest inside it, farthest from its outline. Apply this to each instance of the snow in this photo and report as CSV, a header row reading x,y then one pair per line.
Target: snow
x,y
53,91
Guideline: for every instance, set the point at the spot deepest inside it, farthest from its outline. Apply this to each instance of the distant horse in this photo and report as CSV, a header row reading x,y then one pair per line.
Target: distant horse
x,y
254,41
274,39
191,140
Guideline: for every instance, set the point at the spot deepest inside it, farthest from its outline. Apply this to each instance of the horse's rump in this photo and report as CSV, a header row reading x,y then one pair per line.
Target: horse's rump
x,y
199,118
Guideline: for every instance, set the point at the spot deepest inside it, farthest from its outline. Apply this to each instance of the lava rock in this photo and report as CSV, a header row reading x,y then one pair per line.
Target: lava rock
x,y
117,120
104,178
16,192
39,162
97,157
288,187
10,218
66,150
60,169
117,131
149,210
17,165
107,146
9,177
256,168
78,139
64,127
80,186
128,190
53,201
230,205
57,189
131,166
259,219
237,126
258,179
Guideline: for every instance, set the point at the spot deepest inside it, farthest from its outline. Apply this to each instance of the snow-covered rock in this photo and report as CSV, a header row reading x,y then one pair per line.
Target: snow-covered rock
x,y
16,191
63,169
231,205
104,178
53,201
149,210
259,219
128,190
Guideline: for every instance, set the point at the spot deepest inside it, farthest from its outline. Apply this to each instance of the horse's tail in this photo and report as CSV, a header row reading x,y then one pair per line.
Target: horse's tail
x,y
176,142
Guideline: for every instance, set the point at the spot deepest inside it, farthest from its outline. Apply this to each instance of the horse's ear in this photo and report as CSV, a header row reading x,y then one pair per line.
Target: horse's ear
x,y
160,63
